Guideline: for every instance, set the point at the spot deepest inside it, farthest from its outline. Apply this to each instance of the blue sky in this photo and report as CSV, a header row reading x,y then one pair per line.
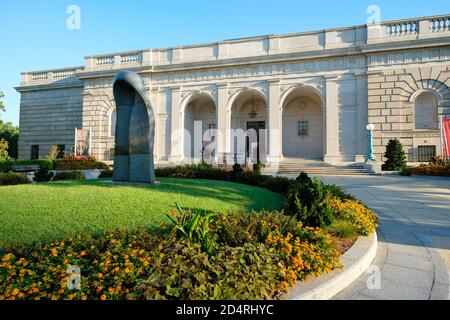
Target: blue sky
x,y
34,35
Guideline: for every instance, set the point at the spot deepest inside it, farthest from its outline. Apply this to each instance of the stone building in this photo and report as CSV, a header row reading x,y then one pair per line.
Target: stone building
x,y
309,95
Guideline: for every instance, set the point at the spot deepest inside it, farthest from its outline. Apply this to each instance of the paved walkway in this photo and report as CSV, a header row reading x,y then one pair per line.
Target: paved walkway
x,y
414,236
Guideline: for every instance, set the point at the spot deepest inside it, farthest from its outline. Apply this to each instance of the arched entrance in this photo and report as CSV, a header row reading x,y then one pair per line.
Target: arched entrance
x,y
200,127
248,125
303,124
426,111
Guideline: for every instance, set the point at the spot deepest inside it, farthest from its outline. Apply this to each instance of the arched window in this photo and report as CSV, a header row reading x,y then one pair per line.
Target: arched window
x,y
426,112
112,123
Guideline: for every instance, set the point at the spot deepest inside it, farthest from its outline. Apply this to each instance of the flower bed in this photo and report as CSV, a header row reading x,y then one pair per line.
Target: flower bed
x,y
255,255
271,252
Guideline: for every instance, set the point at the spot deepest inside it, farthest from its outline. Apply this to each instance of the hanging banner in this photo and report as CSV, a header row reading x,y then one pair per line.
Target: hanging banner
x,y
82,142
446,136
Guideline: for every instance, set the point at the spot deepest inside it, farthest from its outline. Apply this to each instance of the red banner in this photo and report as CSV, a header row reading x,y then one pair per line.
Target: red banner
x,y
446,136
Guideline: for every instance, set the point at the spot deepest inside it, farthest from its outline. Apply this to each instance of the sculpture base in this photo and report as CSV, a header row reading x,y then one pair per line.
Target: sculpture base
x,y
374,166
131,184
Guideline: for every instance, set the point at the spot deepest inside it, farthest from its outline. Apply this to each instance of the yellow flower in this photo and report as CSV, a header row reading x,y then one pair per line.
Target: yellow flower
x,y
103,297
15,292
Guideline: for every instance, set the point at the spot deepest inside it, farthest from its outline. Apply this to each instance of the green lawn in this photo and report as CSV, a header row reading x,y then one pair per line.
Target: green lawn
x,y
50,211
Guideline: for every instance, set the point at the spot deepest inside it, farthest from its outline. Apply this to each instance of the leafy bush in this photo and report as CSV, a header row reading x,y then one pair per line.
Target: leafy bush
x,y
106,174
235,230
194,226
71,175
79,165
431,170
363,219
395,155
6,166
275,184
186,272
12,179
307,200
42,175
258,167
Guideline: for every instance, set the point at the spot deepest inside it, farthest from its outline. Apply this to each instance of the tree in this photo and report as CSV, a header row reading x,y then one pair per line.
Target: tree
x,y
395,155
4,150
9,133
2,106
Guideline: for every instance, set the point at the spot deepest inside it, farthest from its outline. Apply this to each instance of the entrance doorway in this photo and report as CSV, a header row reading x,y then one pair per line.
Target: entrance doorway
x,y
253,138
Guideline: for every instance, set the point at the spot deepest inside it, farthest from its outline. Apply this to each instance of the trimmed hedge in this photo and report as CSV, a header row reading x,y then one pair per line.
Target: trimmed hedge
x,y
73,175
431,170
79,165
6,166
106,174
275,184
12,179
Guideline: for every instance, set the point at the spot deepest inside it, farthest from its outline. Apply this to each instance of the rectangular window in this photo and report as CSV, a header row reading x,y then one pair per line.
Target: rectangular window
x,y
426,153
303,128
111,154
61,150
35,152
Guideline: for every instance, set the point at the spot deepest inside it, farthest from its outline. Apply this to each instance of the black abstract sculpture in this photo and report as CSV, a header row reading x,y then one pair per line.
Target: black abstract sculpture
x,y
135,130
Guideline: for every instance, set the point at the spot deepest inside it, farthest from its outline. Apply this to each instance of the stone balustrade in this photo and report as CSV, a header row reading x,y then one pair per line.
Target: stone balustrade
x,y
263,46
48,76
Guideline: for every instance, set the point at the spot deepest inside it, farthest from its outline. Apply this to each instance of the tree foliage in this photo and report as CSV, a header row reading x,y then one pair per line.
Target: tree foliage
x,y
2,106
395,155
9,133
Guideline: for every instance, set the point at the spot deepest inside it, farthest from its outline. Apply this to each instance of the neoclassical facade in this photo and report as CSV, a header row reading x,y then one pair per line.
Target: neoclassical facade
x,y
303,96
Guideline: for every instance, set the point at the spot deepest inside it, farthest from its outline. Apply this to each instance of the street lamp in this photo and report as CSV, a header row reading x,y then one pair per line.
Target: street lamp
x,y
371,157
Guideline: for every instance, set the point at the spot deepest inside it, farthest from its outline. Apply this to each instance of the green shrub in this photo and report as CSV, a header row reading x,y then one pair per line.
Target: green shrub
x,y
185,272
42,175
71,175
275,184
234,230
6,166
194,226
395,155
12,179
106,174
258,167
362,218
343,228
308,201
73,164
431,170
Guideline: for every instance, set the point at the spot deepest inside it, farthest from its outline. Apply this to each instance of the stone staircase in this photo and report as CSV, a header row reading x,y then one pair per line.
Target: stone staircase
x,y
318,167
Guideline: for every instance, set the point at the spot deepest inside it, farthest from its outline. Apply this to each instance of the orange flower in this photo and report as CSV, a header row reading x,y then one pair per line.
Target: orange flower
x,y
103,297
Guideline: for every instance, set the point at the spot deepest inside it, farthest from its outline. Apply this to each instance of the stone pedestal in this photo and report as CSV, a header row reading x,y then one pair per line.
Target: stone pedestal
x,y
374,166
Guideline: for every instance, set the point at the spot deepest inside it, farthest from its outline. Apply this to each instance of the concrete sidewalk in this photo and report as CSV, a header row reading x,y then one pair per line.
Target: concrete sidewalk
x,y
414,236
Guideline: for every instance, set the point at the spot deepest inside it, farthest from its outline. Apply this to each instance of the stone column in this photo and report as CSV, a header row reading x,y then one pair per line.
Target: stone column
x,y
362,117
176,138
274,126
331,120
154,98
223,125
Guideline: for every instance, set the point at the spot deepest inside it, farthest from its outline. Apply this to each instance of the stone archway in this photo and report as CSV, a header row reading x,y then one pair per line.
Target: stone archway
x,y
200,128
303,134
248,124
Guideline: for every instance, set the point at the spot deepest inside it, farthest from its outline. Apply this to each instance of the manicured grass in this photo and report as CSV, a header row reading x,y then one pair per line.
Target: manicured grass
x,y
51,211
